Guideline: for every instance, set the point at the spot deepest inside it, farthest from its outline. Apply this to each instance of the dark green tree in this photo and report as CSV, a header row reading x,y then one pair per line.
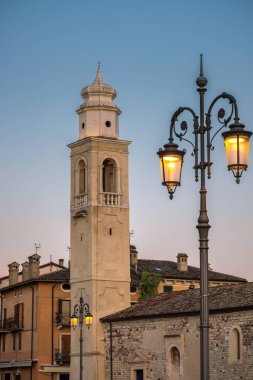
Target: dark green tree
x,y
148,284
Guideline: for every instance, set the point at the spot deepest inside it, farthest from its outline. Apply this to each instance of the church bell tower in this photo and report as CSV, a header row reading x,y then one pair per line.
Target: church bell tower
x,y
100,267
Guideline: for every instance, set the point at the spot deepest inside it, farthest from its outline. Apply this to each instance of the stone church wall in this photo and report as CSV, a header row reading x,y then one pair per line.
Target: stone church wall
x,y
149,345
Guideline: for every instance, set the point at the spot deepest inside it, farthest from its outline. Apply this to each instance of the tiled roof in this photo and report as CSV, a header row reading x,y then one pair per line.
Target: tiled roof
x,y
58,275
221,298
168,269
50,263
62,275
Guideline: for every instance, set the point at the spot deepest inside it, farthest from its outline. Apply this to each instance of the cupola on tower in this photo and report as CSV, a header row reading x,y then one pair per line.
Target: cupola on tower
x,y
100,266
98,115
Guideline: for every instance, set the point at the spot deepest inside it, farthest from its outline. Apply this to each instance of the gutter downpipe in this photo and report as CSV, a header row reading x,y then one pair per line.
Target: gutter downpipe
x,y
111,351
52,336
31,371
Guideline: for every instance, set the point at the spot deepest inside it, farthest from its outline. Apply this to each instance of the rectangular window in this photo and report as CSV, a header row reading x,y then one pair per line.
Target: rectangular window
x,y
139,374
64,312
65,346
14,342
20,341
4,341
19,314
16,314
4,318
167,288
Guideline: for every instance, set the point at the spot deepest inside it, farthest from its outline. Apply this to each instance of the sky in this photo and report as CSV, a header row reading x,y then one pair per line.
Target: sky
x,y
149,51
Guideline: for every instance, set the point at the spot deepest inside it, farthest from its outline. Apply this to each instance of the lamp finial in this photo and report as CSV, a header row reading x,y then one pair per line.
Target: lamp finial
x,y
201,80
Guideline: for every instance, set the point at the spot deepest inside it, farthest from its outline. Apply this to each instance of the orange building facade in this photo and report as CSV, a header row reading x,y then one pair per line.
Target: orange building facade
x,y
35,324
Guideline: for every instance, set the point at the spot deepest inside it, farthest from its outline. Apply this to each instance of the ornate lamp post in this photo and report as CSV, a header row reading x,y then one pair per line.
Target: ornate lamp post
x,y
236,140
81,313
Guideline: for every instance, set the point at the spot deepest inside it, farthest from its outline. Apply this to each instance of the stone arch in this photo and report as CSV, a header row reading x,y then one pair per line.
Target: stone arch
x,y
81,176
109,176
115,159
235,344
174,363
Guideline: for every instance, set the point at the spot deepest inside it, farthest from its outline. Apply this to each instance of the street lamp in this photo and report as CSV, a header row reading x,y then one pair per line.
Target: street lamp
x,y
81,313
236,140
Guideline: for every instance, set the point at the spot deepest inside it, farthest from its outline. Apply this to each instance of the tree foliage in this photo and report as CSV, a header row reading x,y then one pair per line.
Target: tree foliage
x,y
148,284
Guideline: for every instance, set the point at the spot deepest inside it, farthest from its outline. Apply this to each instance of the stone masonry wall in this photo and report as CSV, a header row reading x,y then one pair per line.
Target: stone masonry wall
x,y
146,343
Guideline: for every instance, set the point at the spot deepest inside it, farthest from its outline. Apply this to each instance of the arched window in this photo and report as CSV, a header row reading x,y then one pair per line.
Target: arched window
x,y
235,345
174,363
109,172
81,177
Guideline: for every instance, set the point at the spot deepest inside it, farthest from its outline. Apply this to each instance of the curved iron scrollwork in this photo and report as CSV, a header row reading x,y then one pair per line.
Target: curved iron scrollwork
x,y
222,118
184,128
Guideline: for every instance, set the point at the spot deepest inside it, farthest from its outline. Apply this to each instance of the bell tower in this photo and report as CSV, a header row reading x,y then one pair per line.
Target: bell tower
x,y
100,266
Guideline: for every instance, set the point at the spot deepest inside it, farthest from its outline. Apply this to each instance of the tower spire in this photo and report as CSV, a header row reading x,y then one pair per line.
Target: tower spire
x,y
98,78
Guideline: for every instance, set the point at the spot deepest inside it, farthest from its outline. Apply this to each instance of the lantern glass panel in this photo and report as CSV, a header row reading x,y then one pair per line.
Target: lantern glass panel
x,y
232,144
171,169
74,321
88,320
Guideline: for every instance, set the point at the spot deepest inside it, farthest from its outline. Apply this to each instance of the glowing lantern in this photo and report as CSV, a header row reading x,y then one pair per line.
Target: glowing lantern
x,y
171,161
237,148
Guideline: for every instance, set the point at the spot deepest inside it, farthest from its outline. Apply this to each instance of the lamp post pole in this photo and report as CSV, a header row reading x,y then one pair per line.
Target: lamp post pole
x,y
171,159
203,228
81,312
81,337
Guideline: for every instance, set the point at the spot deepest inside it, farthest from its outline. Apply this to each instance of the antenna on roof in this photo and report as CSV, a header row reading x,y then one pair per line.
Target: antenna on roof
x,y
37,247
131,233
51,258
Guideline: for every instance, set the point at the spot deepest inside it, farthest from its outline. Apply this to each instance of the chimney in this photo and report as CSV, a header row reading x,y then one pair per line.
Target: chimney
x,y
34,266
13,273
25,272
61,262
182,262
134,257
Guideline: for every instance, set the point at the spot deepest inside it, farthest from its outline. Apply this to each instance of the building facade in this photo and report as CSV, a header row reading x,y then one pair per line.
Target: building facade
x,y
158,339
174,275
35,323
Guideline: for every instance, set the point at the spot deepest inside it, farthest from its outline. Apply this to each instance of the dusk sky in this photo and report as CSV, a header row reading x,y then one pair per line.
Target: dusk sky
x,y
149,51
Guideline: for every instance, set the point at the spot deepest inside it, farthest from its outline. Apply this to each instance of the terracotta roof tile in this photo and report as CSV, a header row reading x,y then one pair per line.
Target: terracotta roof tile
x,y
221,298
168,269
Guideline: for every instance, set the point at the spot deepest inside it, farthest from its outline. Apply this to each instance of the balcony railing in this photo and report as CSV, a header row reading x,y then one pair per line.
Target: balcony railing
x,y
80,201
110,199
63,320
12,324
61,356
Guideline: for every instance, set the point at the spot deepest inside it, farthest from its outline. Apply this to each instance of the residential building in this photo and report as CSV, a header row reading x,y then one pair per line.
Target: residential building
x,y
175,276
35,322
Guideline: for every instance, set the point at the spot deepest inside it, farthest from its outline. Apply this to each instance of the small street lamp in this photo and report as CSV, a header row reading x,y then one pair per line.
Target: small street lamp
x,y
236,140
81,313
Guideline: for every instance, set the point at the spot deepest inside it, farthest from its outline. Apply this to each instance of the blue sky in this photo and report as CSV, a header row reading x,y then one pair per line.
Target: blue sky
x,y
149,51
